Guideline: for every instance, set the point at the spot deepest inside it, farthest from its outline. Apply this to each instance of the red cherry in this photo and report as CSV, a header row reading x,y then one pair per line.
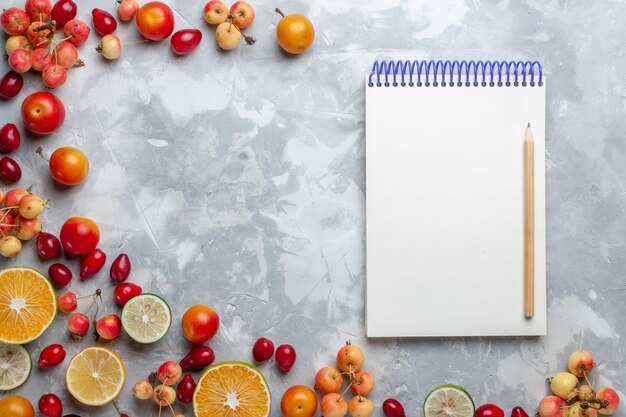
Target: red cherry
x,y
120,268
60,274
103,22
185,41
48,245
184,391
63,11
92,263
51,356
393,408
125,292
10,171
9,138
10,85
78,324
198,358
489,410
285,357
50,405
263,350
518,412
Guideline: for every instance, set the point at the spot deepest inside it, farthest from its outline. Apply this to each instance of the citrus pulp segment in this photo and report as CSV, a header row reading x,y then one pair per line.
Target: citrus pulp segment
x,y
15,366
448,401
27,305
95,376
146,318
232,389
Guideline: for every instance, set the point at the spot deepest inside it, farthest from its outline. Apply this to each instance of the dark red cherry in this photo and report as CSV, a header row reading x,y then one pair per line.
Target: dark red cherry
x,y
263,350
10,170
51,356
9,138
185,41
184,391
198,358
285,357
63,11
103,22
48,245
11,84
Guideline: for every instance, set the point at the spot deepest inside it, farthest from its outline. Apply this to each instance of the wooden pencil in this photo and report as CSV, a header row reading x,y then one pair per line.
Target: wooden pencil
x,y
529,224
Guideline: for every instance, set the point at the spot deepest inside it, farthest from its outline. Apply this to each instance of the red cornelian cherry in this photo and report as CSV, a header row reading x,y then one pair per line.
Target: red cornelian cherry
x,y
92,263
103,22
10,170
9,138
263,350
125,292
199,357
184,391
60,274
48,246
50,405
63,11
120,268
51,356
393,408
285,357
184,41
10,85
67,302
78,324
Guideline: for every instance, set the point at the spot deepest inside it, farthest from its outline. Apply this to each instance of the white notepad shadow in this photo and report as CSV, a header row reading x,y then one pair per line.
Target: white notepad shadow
x,y
444,202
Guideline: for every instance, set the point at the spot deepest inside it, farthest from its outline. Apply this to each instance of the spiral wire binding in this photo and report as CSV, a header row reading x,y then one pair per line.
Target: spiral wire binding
x,y
477,73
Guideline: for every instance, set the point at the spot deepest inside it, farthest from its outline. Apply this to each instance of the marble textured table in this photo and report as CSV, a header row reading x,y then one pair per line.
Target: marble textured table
x,y
237,180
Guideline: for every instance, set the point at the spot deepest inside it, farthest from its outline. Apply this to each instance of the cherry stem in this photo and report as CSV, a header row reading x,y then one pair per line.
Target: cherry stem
x,y
136,42
250,40
116,407
50,25
39,151
280,12
587,379
170,406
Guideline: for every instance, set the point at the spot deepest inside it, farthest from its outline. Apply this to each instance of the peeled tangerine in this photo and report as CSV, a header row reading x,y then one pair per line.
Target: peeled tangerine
x,y
563,385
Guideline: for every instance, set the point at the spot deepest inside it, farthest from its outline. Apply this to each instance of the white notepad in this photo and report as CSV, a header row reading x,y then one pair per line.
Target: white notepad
x,y
444,192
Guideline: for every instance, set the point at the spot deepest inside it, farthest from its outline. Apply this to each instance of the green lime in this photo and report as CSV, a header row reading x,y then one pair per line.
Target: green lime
x,y
448,401
146,318
15,366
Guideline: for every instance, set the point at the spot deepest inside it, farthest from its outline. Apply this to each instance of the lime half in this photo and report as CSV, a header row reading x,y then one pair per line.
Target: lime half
x,y
146,318
15,366
448,401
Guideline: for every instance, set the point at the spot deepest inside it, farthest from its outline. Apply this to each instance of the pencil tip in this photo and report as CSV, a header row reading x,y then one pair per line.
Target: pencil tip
x,y
528,124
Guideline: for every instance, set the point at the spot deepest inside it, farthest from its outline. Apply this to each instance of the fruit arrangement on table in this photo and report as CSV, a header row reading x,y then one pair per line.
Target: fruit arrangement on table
x,y
44,38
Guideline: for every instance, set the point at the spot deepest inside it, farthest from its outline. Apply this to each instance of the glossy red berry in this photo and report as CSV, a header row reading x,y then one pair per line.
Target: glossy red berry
x,y
489,410
263,350
184,391
125,292
9,138
185,41
63,11
120,268
92,263
10,170
285,357
103,22
518,412
50,405
393,408
67,302
51,356
11,84
48,246
199,357
60,274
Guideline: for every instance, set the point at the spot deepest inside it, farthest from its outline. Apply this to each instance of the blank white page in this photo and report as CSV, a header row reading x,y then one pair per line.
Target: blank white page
x,y
445,210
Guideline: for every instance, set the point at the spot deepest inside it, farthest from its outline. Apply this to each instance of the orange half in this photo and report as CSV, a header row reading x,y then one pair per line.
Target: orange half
x,y
232,389
27,305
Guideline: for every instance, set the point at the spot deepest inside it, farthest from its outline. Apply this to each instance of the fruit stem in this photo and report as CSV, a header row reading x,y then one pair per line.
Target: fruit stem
x,y
250,40
280,12
136,42
79,63
39,151
50,25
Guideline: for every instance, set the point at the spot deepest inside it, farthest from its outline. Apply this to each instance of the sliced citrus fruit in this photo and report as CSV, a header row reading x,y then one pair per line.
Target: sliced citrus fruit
x,y
27,305
146,318
233,389
448,401
15,366
95,376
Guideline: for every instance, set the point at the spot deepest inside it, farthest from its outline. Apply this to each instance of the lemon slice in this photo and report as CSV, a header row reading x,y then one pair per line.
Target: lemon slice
x,y
27,305
15,366
232,389
448,401
95,376
146,318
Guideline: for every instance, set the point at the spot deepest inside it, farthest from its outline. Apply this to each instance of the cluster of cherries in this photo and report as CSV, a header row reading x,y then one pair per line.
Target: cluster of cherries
x,y
32,44
573,395
19,219
285,355
169,374
229,22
